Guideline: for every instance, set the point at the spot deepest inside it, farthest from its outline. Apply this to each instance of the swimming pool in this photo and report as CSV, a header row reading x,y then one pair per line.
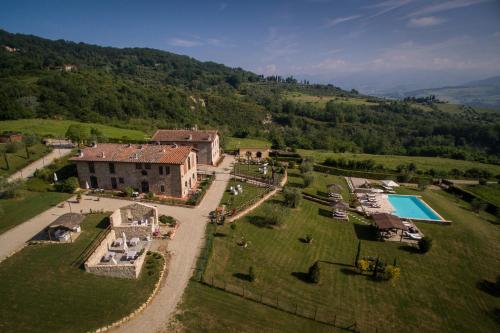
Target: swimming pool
x,y
412,207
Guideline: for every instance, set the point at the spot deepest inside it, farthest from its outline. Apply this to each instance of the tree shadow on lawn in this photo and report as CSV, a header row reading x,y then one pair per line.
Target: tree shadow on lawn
x,y
323,194
259,221
294,184
409,248
219,234
304,277
349,271
488,287
242,276
365,232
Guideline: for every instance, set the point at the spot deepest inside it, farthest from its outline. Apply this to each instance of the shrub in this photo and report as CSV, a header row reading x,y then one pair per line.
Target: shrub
x,y
9,190
392,273
166,219
292,197
363,265
274,214
292,164
150,195
425,244
251,274
69,185
233,226
128,191
423,183
306,167
314,273
483,181
11,147
309,238
308,179
477,205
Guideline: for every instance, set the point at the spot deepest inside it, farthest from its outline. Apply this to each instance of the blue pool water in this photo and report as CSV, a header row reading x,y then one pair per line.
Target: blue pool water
x,y
410,206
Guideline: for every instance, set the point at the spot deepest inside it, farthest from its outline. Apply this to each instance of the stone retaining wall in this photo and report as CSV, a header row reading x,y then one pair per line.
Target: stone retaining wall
x,y
144,305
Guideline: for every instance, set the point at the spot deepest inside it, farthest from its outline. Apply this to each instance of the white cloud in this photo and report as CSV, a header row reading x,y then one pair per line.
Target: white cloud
x,y
426,21
184,42
333,22
445,6
388,6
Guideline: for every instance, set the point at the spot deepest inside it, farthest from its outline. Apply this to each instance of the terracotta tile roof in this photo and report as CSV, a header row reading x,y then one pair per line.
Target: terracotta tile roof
x,y
185,135
134,153
388,221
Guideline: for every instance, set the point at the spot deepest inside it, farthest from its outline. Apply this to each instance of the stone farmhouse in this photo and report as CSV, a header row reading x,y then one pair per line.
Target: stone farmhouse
x,y
206,142
168,170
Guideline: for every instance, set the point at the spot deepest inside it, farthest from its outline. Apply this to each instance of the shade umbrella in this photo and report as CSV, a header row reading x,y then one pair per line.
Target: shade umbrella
x,y
87,185
55,177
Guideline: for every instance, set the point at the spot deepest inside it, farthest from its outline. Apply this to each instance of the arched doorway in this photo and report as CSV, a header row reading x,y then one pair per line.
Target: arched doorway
x,y
258,154
93,182
144,186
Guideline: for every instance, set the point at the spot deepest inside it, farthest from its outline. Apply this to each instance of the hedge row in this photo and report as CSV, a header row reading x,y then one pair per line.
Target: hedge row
x,y
364,174
469,196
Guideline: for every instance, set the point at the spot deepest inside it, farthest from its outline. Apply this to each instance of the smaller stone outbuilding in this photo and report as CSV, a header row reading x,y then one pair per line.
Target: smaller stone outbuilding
x,y
66,228
135,220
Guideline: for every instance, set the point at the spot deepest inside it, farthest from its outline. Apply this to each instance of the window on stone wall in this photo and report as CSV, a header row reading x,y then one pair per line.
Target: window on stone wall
x,y
121,180
138,166
167,170
160,170
147,166
111,167
162,188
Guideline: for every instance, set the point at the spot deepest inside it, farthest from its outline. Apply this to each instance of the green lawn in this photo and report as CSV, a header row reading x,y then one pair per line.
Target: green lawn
x,y
319,186
250,192
490,192
252,170
436,292
19,160
206,309
58,128
42,292
392,161
231,143
17,210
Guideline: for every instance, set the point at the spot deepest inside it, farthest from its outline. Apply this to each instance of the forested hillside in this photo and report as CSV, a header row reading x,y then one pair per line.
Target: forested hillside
x,y
146,89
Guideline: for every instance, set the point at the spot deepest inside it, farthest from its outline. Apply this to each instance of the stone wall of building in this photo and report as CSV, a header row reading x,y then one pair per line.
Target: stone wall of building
x,y
126,271
127,174
207,152
102,249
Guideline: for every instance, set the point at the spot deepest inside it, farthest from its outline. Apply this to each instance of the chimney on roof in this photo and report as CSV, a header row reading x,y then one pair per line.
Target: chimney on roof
x,y
94,144
190,137
174,145
80,153
136,156
128,145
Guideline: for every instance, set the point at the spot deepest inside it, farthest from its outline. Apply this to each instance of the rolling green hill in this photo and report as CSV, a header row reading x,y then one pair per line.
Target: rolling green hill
x,y
146,89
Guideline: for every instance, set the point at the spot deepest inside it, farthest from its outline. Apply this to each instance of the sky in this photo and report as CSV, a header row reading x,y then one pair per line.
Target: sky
x,y
374,46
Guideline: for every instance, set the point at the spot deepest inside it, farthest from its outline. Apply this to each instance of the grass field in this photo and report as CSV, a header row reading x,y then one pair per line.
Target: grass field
x,y
250,192
58,128
206,309
19,160
42,292
321,101
392,161
17,210
490,192
436,292
231,143
320,183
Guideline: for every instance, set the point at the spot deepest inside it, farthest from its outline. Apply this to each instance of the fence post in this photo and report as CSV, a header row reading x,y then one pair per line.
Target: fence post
x,y
315,312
